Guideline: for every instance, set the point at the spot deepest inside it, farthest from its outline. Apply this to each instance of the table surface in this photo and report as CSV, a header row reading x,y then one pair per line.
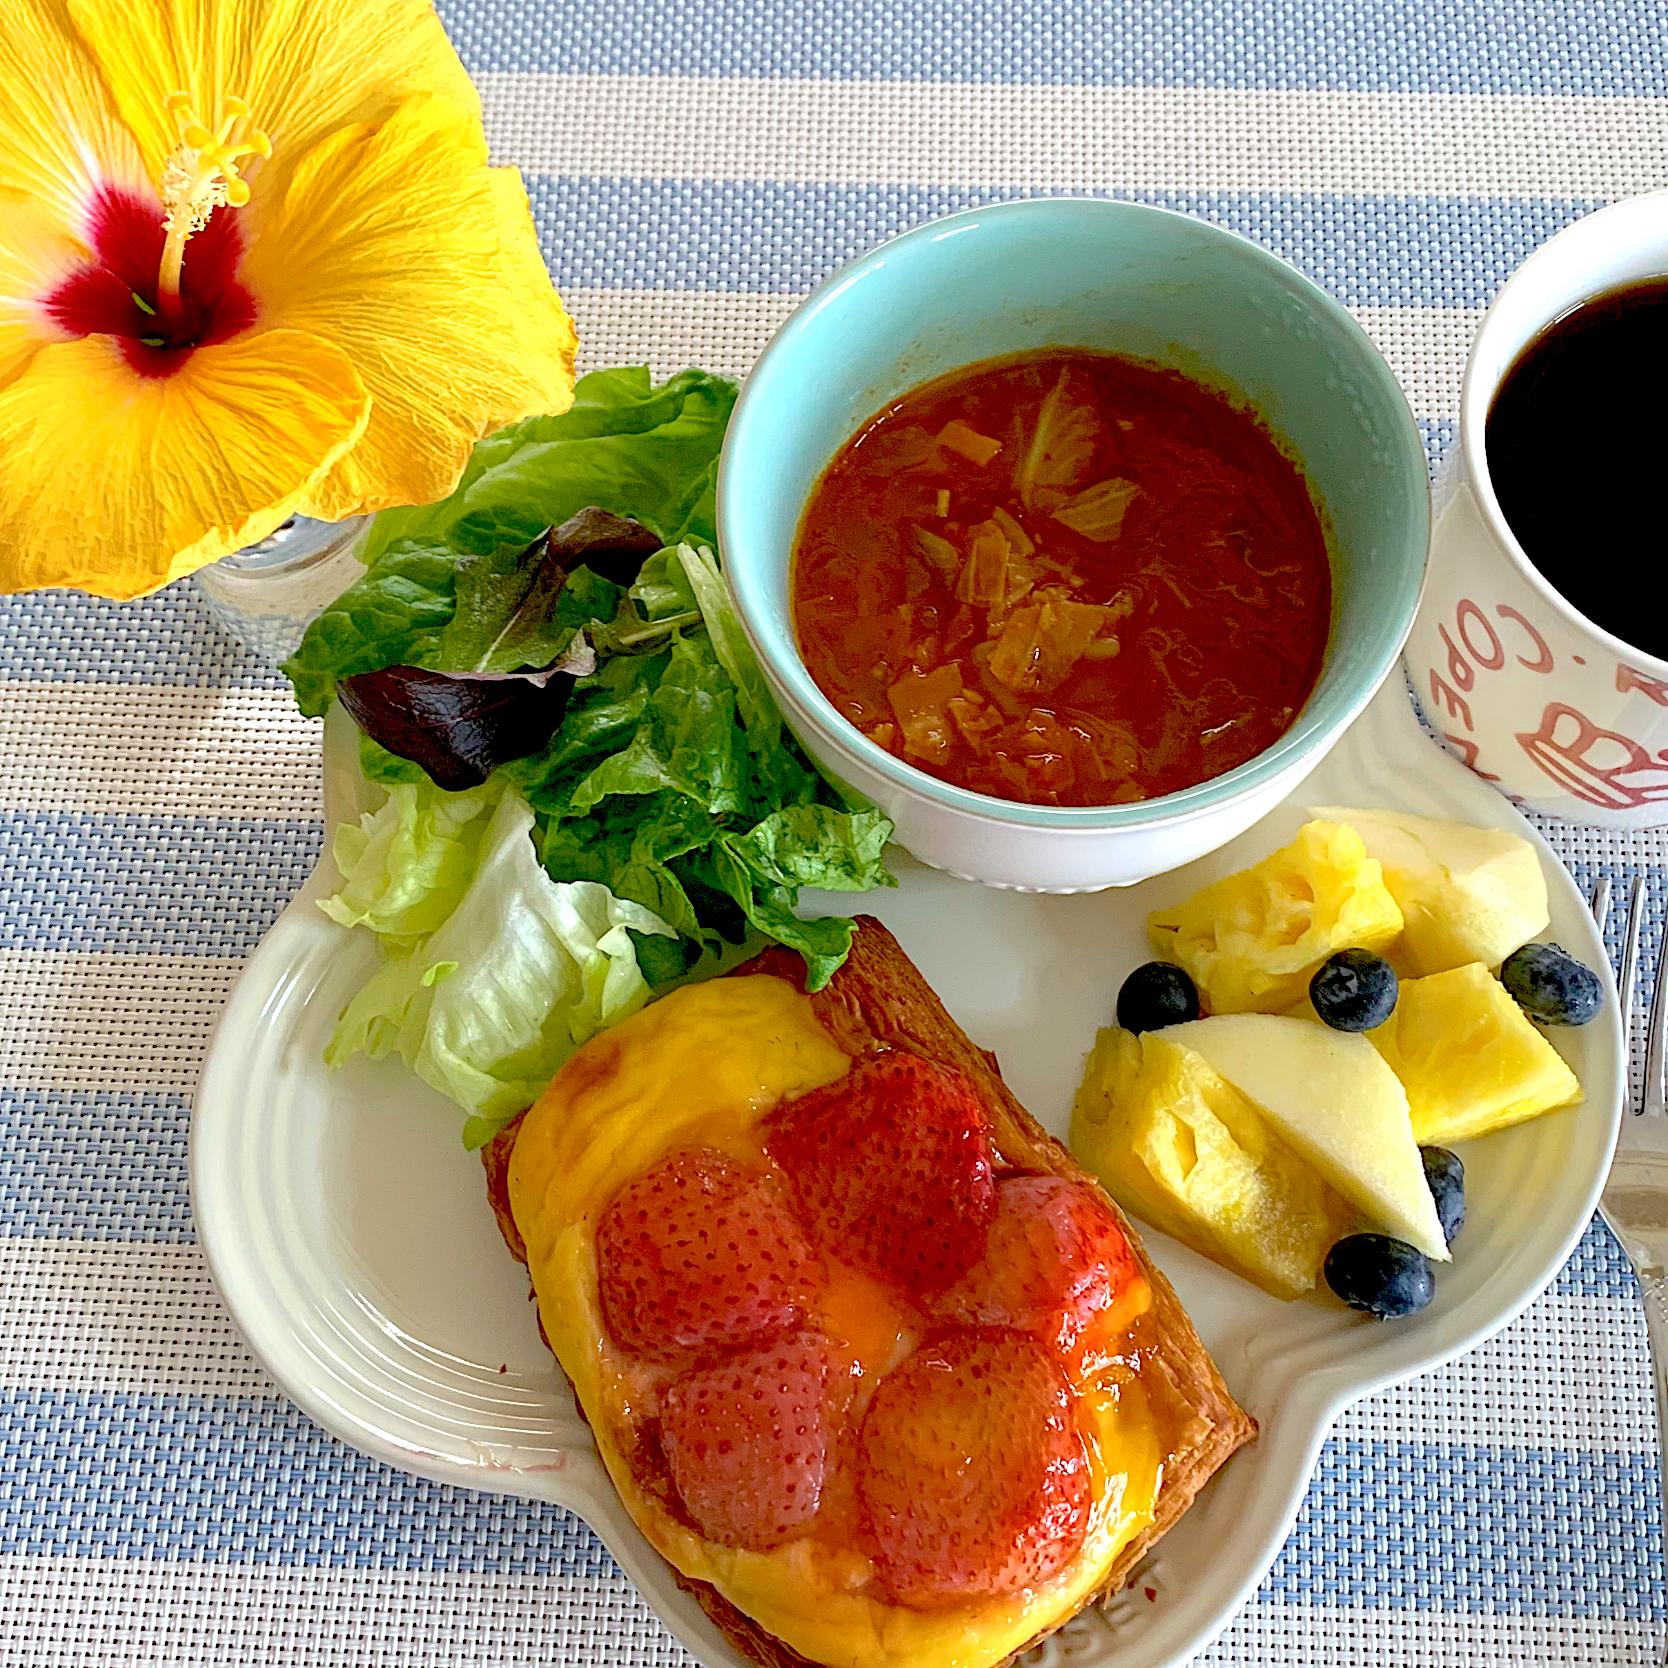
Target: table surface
x,y
693,168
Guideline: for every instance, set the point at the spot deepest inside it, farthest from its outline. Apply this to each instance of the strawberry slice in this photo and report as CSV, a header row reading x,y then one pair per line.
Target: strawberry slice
x,y
891,1167
972,1477
747,1441
1056,1265
700,1253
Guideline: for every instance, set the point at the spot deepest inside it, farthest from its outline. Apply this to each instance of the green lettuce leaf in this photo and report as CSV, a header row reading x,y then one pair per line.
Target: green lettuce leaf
x,y
624,445
510,617
753,698
764,869
405,866
647,452
662,588
815,845
824,942
390,617
630,845
674,782
519,972
687,739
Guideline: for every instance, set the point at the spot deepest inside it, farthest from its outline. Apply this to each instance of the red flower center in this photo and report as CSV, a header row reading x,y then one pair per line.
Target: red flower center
x,y
116,293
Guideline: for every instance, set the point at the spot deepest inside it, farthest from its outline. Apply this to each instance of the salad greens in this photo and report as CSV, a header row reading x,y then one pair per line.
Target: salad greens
x,y
443,580
517,969
671,794
405,868
674,782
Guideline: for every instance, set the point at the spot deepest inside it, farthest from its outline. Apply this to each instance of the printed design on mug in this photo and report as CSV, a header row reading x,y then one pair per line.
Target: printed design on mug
x,y
1477,645
1596,765
1653,689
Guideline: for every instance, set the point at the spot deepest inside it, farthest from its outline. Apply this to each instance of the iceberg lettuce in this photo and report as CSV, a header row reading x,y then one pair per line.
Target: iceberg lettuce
x,y
406,865
516,971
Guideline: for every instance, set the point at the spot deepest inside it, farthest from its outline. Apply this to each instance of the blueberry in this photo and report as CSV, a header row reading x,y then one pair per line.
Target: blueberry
x,y
1155,995
1550,985
1382,1276
1445,1177
1354,991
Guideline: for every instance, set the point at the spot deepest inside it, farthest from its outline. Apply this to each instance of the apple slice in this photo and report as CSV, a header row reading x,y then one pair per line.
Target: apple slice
x,y
1466,894
1333,1098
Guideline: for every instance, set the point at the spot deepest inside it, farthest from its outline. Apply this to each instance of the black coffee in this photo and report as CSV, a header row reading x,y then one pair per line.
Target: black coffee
x,y
1577,447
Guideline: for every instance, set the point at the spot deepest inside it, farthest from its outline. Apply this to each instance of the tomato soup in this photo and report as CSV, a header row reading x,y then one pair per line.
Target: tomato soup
x,y
1065,577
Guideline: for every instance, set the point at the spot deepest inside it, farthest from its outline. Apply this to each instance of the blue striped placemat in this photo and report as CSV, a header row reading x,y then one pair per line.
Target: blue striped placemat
x,y
694,167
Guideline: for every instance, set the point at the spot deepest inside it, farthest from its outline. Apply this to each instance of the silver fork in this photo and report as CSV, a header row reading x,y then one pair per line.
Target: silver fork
x,y
1635,1200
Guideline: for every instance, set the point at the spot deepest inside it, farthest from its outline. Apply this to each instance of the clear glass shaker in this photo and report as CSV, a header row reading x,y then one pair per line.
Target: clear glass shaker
x,y
267,594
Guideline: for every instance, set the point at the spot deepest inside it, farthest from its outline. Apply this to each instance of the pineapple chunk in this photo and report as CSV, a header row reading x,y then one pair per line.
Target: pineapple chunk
x,y
1185,1150
1469,1058
1252,942
1466,894
1334,1099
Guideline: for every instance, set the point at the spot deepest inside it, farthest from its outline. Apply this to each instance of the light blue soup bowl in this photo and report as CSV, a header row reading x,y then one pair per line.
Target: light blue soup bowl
x,y
1081,273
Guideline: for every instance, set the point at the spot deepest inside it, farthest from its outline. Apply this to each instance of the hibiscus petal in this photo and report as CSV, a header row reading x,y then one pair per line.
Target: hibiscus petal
x,y
60,145
35,257
399,245
117,483
304,67
59,137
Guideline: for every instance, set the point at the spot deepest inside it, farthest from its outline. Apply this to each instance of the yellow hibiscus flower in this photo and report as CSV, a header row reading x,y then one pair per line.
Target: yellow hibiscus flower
x,y
253,264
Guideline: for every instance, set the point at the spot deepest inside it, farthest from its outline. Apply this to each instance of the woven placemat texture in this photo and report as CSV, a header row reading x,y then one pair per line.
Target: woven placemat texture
x,y
694,167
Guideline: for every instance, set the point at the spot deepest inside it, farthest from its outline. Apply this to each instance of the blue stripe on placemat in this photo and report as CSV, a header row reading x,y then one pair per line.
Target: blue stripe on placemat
x,y
249,1480
1598,1267
1507,1531
167,638
1492,46
84,1164
606,232
147,885
208,1478
1438,434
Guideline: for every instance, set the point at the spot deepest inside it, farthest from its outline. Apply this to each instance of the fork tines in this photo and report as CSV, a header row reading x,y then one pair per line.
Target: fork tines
x,y
1656,1045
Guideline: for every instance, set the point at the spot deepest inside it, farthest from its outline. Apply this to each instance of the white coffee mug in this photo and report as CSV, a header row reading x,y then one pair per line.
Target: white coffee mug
x,y
1559,714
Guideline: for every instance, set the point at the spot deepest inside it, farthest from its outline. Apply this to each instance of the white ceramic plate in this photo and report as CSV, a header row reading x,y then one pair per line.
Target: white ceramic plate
x,y
352,1240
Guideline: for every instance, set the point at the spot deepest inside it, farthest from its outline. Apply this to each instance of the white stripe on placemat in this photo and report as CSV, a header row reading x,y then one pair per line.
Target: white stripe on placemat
x,y
58,1612
1075,138
157,750
112,1316
1426,347
87,1020
120,1316
669,329
1319,1636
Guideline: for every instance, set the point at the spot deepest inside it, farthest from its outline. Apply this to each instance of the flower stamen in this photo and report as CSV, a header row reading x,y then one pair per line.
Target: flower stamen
x,y
201,175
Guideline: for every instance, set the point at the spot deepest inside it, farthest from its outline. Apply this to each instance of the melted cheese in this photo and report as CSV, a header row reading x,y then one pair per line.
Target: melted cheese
x,y
702,1067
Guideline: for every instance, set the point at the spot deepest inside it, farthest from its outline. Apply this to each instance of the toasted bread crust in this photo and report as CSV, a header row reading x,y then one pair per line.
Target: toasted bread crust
x,y
879,999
